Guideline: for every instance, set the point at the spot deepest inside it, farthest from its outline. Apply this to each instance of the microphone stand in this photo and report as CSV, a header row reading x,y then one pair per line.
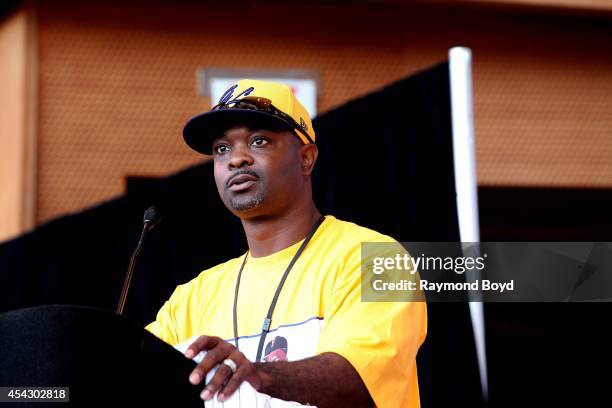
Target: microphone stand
x,y
128,278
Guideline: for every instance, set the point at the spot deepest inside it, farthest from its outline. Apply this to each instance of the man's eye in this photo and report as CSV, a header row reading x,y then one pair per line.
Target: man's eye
x,y
259,141
221,148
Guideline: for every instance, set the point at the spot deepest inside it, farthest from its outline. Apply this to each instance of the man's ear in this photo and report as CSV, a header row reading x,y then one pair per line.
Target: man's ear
x,y
308,157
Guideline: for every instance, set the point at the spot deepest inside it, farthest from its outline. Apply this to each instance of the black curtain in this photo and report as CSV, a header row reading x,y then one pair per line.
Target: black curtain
x,y
385,162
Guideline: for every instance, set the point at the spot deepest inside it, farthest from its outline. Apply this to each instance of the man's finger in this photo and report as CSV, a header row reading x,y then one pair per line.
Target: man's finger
x,y
213,357
222,374
201,343
233,384
243,367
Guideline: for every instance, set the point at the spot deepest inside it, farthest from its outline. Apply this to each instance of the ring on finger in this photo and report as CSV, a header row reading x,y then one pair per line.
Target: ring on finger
x,y
231,364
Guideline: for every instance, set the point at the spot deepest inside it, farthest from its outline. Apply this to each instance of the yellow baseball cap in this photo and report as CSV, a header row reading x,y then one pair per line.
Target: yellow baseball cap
x,y
250,101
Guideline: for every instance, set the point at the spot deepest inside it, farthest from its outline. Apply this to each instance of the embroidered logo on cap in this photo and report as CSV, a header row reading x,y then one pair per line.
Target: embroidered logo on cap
x,y
303,125
226,98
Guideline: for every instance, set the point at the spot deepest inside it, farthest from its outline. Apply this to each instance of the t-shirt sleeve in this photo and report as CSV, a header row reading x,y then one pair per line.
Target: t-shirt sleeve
x,y
164,326
174,321
380,339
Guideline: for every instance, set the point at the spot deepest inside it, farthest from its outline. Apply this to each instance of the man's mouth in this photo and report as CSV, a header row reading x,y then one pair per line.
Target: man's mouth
x,y
241,182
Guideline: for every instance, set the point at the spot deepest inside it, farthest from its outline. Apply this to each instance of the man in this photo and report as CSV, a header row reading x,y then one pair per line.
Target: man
x,y
300,276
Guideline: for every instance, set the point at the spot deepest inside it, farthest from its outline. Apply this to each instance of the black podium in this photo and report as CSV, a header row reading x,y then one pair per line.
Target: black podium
x,y
104,359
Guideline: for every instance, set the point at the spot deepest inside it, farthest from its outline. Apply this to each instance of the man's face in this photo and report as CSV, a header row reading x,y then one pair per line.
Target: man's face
x,y
257,172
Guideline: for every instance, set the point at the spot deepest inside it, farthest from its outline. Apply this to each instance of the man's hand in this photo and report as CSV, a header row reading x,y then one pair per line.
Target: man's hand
x,y
313,381
224,381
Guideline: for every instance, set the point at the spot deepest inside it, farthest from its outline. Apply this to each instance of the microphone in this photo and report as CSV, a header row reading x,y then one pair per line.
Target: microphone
x,y
152,217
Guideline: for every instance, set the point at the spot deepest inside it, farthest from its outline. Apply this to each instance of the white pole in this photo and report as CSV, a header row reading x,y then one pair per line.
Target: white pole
x,y
464,155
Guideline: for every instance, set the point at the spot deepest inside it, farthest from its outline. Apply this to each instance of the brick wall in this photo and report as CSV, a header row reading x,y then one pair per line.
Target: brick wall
x,y
117,83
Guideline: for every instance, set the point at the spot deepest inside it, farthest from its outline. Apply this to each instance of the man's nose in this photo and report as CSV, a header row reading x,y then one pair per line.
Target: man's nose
x,y
240,157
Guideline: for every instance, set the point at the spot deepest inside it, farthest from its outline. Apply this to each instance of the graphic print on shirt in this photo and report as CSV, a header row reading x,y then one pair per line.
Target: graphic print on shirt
x,y
303,338
276,349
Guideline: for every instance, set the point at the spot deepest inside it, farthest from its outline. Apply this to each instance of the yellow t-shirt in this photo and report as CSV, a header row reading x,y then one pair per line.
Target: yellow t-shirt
x,y
319,310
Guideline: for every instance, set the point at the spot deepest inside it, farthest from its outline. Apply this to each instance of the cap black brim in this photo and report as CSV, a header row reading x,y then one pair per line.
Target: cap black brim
x,y
201,130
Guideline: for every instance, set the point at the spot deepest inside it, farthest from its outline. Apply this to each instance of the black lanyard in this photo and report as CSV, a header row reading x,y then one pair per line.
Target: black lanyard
x,y
268,319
